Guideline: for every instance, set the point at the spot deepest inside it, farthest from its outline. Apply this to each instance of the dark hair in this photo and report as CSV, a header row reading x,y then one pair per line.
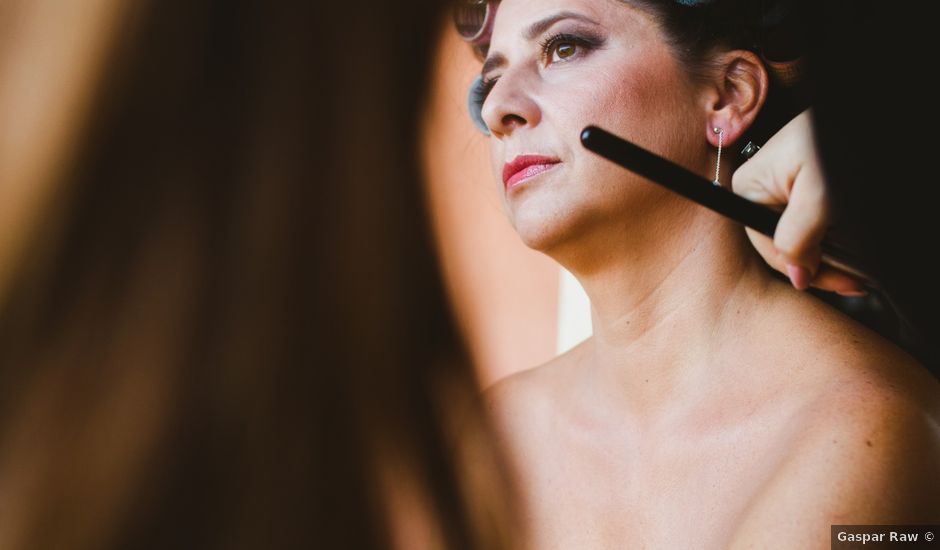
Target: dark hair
x,y
770,28
231,330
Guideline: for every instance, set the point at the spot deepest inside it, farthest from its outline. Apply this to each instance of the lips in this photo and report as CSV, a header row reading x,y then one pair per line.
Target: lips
x,y
526,166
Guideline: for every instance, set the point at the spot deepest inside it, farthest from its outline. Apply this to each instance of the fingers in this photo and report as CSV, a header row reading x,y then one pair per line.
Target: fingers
x,y
834,280
757,180
802,225
765,247
786,173
826,278
768,176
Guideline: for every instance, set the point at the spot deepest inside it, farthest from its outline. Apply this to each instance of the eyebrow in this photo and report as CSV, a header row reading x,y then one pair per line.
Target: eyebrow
x,y
497,59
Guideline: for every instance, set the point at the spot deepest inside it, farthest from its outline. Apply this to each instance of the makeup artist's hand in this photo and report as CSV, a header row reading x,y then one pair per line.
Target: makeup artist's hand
x,y
786,173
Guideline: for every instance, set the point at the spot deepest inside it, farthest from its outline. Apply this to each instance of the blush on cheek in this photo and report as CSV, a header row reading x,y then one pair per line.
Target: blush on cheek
x,y
647,102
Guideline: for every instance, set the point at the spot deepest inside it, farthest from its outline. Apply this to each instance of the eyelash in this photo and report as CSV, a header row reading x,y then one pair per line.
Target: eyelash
x,y
548,45
548,48
487,86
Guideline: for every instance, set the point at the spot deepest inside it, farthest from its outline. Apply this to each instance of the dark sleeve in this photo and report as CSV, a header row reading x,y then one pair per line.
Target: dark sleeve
x,y
872,66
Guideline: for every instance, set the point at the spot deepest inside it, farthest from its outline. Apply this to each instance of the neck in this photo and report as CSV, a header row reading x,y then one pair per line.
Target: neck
x,y
670,311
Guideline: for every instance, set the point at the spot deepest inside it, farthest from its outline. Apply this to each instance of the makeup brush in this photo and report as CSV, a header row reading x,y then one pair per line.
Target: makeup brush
x,y
697,188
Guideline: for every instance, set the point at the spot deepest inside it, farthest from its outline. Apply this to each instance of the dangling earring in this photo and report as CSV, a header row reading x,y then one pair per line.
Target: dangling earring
x,y
721,136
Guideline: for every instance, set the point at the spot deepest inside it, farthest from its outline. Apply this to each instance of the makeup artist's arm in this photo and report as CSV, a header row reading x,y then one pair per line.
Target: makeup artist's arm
x,y
786,173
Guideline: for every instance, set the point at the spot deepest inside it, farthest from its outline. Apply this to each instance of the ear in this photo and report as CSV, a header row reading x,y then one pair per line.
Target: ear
x,y
735,95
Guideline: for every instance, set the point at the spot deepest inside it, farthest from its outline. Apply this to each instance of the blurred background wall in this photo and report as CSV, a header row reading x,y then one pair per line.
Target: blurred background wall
x,y
516,307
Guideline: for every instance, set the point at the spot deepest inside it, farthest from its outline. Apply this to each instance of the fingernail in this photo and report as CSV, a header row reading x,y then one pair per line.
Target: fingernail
x,y
799,276
852,293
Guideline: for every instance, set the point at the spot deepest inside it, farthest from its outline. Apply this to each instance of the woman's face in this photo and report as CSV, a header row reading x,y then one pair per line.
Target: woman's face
x,y
558,66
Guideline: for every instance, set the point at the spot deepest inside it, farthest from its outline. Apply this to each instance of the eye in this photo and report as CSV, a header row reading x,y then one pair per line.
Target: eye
x,y
563,50
562,47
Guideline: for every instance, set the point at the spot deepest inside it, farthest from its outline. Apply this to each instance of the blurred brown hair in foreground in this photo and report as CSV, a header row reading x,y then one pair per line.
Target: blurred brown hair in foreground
x,y
221,320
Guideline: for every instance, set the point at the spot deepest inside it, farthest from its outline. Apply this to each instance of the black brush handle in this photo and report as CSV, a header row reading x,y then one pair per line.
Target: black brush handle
x,y
698,189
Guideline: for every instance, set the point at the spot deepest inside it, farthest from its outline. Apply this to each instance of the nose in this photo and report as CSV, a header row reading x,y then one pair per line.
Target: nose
x,y
510,104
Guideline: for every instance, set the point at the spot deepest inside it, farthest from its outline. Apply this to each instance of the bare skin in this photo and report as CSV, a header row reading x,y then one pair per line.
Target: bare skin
x,y
840,428
713,399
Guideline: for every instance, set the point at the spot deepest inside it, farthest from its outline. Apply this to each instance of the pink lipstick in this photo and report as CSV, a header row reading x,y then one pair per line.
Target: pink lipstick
x,y
524,167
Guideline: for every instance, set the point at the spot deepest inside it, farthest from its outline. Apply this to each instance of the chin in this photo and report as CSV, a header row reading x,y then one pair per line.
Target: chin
x,y
544,231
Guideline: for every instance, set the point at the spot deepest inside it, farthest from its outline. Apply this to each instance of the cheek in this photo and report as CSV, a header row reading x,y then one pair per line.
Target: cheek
x,y
647,101
644,99
496,159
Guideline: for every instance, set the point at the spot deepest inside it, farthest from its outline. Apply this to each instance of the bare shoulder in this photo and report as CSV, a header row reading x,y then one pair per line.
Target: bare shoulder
x,y
868,450
523,401
828,354
871,454
876,464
